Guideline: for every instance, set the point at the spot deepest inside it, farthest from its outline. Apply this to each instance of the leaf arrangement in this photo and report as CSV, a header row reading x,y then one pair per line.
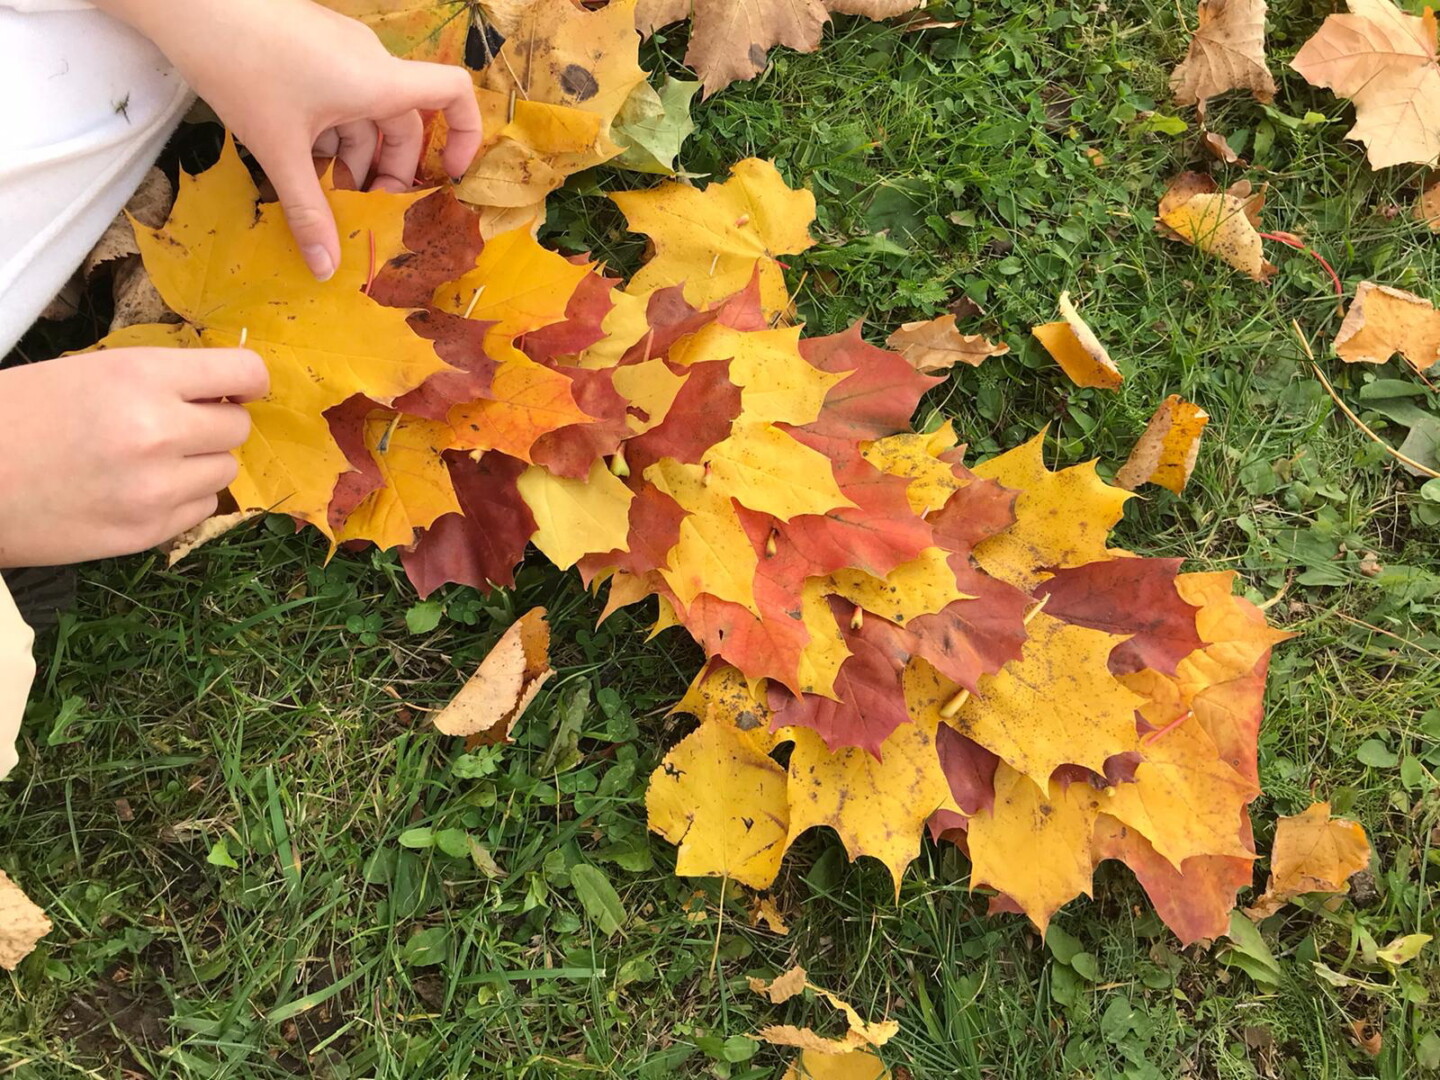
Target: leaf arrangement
x,y
897,641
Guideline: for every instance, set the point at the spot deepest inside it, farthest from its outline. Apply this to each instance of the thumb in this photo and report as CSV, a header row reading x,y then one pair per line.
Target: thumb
x,y
292,171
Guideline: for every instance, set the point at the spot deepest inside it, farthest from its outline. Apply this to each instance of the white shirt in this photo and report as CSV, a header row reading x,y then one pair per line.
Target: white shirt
x,y
89,103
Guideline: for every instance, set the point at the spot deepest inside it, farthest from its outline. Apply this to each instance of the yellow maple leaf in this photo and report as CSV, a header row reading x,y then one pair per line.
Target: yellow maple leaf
x,y
417,488
516,284
227,263
851,1065
763,468
877,807
575,517
721,800
1057,705
1166,453
917,457
1224,224
1052,826
431,30
923,586
1061,518
714,240
1313,852
721,694
1382,321
777,384
1384,60
713,554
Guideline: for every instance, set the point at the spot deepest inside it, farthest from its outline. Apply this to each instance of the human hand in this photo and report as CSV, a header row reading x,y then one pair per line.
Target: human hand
x,y
292,79
108,453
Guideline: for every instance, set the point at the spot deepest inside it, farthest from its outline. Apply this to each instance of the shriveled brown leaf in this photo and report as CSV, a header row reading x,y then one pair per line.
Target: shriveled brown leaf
x,y
22,924
1223,224
150,205
1366,1036
487,706
1077,350
935,345
1382,321
861,1033
1226,53
1313,852
137,301
1166,452
1218,148
212,527
764,910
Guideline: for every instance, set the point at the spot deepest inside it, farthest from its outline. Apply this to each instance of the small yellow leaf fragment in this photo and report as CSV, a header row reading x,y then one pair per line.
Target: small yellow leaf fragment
x,y
852,1065
22,924
1167,451
1313,852
1382,321
1403,949
1427,207
1222,224
781,988
764,910
935,345
1077,350
507,680
209,529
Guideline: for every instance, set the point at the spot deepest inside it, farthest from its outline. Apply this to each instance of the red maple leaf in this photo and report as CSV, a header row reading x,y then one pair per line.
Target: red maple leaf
x,y
571,450
460,342
483,545
654,529
347,428
877,399
969,768
700,416
443,235
580,328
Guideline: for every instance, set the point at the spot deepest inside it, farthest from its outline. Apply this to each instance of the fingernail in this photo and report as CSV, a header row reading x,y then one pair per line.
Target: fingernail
x,y
456,179
319,261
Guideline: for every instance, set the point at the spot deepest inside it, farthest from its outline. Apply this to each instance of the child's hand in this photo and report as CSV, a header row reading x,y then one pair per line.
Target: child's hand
x,y
112,452
290,77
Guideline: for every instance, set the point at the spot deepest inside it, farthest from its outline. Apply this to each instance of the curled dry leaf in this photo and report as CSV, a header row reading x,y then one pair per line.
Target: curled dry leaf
x,y
22,924
212,527
1223,224
1077,350
1427,207
1218,148
1226,53
1383,60
1313,852
1383,321
1166,453
935,345
507,680
861,1034
854,1065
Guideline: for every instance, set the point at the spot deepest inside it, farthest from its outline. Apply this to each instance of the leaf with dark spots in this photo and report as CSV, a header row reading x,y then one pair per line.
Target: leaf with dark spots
x,y
481,546
460,343
578,83
1128,596
443,238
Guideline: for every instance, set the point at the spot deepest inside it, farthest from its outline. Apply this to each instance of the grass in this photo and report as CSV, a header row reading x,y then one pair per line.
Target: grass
x,y
227,801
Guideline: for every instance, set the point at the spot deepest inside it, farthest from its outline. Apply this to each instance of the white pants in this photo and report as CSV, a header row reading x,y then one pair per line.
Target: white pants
x,y
87,105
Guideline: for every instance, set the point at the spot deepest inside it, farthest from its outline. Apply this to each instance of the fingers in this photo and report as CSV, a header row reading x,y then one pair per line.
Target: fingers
x,y
292,171
191,514
202,475
356,148
448,89
404,136
213,429
211,374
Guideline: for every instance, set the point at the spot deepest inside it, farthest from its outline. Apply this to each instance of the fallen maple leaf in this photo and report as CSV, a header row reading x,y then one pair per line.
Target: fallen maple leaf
x,y
1313,852
1223,224
1166,453
935,345
1226,53
22,924
1382,321
713,241
851,1065
1383,60
432,30
507,680
652,125
1077,350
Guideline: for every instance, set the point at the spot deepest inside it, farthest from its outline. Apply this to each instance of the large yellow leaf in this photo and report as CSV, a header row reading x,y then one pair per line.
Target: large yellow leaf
x,y
525,400
713,554
575,517
714,240
932,481
778,386
516,284
1057,705
878,807
1062,518
227,263
417,487
922,586
764,469
722,801
1034,844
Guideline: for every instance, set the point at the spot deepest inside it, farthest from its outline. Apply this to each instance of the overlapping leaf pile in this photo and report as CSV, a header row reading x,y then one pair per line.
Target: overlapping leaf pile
x,y
923,643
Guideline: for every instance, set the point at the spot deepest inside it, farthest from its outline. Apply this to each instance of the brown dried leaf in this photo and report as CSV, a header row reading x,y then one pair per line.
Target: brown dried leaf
x,y
1226,53
22,924
1383,321
1077,350
1219,149
507,680
150,205
764,910
137,301
1313,852
1166,452
1427,207
935,345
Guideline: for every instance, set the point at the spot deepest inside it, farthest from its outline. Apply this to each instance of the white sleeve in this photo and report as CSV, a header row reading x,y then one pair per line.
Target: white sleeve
x,y
45,5
100,102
